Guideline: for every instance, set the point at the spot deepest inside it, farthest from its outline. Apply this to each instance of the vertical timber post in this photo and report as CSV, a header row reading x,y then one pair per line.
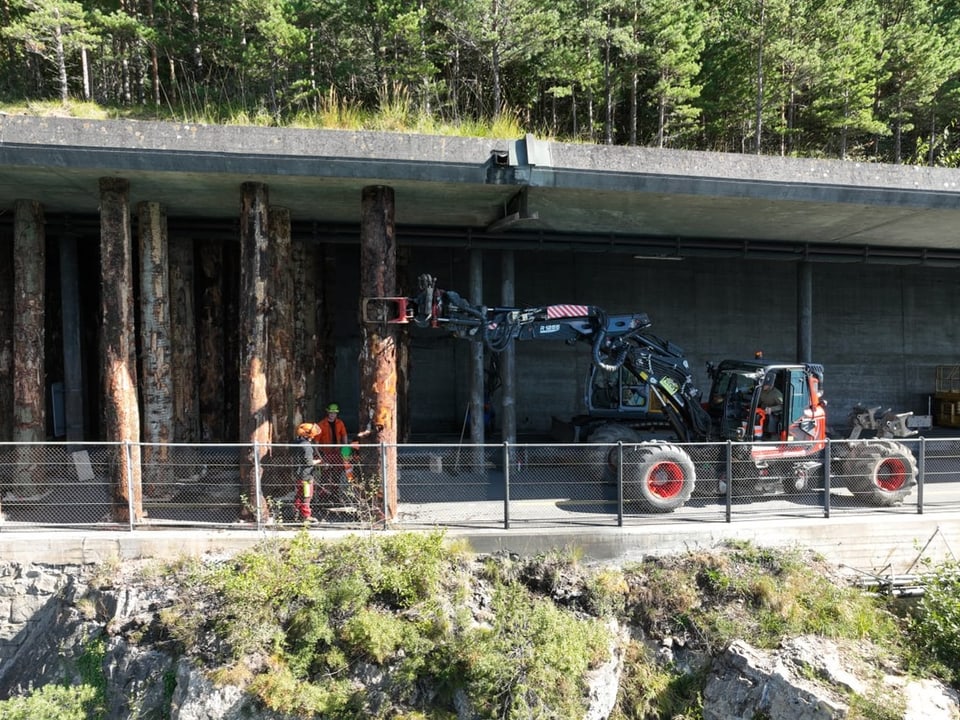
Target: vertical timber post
x,y
378,341
6,336
156,381
121,413
280,335
211,351
254,406
29,378
305,306
183,339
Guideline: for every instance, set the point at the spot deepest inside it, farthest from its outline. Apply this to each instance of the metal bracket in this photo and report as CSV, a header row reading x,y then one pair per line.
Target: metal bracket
x,y
514,211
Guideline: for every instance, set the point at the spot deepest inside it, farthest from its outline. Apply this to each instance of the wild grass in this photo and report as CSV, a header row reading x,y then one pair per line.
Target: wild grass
x,y
395,111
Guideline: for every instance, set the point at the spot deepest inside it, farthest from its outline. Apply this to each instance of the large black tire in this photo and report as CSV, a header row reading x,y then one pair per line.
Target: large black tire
x,y
659,476
881,472
611,434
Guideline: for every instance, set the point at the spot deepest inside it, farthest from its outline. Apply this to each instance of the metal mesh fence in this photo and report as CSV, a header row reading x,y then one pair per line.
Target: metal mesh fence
x,y
458,485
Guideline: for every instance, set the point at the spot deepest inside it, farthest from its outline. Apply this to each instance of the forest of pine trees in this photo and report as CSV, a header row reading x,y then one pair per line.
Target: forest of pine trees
x,y
873,80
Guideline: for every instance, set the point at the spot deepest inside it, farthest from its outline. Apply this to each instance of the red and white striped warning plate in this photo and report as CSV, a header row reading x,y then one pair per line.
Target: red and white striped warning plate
x,y
562,311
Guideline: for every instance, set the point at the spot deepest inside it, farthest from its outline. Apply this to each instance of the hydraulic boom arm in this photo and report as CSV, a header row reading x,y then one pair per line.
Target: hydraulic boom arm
x,y
615,340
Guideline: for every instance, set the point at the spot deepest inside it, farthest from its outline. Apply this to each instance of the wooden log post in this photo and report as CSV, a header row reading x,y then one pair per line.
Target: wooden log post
x,y
121,414
280,363
378,341
254,404
6,336
211,325
183,340
156,379
305,311
29,378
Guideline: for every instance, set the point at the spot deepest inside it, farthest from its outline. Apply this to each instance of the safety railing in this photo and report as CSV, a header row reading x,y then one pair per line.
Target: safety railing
x,y
135,485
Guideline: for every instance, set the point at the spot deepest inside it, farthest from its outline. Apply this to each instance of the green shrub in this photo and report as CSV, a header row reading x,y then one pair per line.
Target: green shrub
x,y
532,662
53,702
936,622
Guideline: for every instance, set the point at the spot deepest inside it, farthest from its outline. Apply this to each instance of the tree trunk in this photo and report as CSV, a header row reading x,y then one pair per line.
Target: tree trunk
x,y
121,419
378,344
183,338
210,350
305,307
6,336
280,363
326,305
61,62
29,379
254,405
156,381
758,142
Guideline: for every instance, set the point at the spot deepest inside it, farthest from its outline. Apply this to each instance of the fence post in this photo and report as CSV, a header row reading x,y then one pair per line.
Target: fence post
x,y
728,500
128,452
506,484
256,482
921,470
620,483
826,479
384,484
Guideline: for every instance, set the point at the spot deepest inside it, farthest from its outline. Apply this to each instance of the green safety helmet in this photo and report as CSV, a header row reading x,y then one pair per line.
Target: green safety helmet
x,y
333,407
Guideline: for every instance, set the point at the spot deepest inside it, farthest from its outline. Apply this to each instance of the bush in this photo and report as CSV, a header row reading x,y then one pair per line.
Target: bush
x,y
52,702
936,622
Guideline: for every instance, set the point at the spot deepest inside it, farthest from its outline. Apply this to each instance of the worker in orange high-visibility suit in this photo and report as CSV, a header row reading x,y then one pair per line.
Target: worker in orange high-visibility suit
x,y
331,435
311,459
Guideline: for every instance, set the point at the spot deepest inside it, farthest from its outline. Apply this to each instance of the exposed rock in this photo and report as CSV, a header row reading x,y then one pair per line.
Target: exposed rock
x,y
811,678
807,678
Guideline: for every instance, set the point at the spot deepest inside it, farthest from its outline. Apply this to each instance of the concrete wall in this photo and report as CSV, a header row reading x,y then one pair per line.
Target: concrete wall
x,y
879,330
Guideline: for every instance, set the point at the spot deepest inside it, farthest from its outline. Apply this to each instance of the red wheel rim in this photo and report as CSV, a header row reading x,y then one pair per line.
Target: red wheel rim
x,y
665,479
892,474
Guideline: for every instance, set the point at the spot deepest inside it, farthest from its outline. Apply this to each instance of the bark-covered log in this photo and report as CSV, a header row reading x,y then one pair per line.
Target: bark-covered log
x,y
280,292
6,337
183,339
378,341
156,381
121,418
254,416
210,348
29,378
305,307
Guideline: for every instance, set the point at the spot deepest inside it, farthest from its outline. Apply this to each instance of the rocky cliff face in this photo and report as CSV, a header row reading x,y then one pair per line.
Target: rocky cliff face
x,y
62,626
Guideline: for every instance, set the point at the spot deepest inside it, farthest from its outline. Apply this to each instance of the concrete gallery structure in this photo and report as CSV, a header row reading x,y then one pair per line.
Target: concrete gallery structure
x,y
181,282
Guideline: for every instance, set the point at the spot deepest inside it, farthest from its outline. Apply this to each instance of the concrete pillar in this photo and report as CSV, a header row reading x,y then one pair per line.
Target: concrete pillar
x,y
378,341
121,414
476,352
73,367
254,404
804,312
156,376
508,358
